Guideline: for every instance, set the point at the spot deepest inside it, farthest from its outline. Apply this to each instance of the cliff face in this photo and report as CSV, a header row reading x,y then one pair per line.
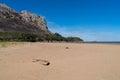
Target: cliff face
x,y
12,21
38,21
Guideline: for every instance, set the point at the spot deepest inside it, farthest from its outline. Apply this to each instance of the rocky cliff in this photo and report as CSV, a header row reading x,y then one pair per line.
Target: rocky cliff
x,y
12,21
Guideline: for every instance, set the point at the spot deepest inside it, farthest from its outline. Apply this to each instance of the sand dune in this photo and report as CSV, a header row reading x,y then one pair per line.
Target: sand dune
x,y
76,62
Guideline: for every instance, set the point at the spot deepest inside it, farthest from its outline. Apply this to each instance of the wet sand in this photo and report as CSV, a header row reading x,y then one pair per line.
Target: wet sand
x,y
68,61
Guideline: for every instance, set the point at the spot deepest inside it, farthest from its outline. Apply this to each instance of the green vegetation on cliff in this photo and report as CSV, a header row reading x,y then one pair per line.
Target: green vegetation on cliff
x,y
29,37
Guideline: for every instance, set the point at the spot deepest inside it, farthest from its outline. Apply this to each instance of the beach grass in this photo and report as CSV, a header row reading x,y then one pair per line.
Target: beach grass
x,y
7,44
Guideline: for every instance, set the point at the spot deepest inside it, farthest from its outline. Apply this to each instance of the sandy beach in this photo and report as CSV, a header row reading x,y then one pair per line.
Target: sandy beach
x,y
68,61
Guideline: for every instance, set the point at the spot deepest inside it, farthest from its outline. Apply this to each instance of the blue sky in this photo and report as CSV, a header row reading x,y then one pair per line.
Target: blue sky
x,y
91,20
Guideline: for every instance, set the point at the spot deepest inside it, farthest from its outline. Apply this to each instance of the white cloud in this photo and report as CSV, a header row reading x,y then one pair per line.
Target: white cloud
x,y
84,33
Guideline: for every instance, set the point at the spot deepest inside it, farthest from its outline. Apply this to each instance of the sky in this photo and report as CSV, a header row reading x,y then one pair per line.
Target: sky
x,y
91,20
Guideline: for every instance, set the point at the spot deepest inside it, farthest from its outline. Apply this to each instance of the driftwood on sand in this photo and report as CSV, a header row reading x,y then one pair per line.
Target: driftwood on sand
x,y
43,62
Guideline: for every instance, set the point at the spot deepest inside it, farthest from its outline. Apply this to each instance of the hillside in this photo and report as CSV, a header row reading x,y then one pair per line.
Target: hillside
x,y
25,26
12,21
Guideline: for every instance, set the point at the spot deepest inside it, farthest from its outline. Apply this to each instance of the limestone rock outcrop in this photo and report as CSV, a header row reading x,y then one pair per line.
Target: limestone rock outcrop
x,y
12,21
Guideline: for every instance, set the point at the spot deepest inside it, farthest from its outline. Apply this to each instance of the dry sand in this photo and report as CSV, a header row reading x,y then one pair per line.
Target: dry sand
x,y
77,62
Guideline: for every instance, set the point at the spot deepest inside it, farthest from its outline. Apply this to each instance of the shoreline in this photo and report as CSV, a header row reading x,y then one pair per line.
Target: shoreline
x,y
15,44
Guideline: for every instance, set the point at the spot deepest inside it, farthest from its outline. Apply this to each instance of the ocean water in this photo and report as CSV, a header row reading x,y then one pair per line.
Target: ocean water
x,y
114,42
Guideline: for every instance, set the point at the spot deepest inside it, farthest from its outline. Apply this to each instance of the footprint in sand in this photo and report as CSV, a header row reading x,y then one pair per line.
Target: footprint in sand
x,y
43,62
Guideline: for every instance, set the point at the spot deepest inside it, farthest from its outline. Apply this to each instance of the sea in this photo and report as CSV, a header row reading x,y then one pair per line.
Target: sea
x,y
103,42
